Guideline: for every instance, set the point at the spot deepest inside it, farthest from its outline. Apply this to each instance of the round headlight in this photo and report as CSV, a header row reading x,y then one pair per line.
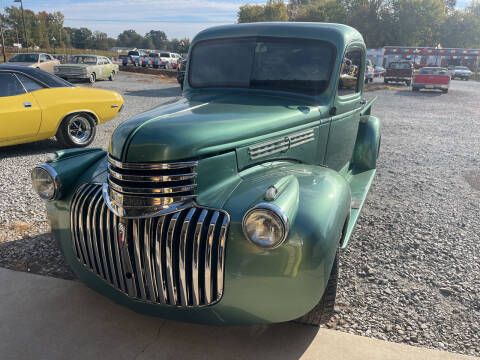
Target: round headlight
x,y
45,182
265,225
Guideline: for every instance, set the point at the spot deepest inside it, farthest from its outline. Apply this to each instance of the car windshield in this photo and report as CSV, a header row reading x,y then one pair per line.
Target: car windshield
x,y
153,55
294,65
433,71
165,55
133,53
25,58
400,65
461,68
91,60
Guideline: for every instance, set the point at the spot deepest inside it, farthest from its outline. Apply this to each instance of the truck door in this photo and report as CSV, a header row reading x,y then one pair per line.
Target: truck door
x,y
346,114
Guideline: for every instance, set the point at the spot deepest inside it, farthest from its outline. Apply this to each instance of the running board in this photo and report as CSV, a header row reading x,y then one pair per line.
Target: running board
x,y
359,184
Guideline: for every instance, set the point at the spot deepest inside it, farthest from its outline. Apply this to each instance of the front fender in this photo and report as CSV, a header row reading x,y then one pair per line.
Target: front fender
x,y
286,282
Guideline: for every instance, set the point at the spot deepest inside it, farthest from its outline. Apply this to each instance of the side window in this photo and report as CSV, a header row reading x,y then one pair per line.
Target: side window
x,y
48,57
349,81
43,57
10,86
29,84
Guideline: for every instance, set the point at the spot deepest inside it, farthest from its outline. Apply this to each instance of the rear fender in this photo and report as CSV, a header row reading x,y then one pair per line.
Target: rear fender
x,y
367,145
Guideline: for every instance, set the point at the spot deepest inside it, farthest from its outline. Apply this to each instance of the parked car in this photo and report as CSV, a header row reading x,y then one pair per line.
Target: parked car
x,y
369,71
169,60
43,105
88,67
431,78
135,55
379,71
230,205
461,72
42,61
125,59
181,72
399,71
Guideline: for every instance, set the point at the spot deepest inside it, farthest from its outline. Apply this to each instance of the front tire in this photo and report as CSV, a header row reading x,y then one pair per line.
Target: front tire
x,y
76,131
112,76
92,78
408,82
323,311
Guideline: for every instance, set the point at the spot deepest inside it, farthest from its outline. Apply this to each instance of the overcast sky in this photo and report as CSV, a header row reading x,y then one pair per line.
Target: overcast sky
x,y
177,18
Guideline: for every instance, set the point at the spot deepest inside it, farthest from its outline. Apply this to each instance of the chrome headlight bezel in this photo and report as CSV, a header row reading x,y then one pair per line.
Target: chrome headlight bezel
x,y
276,213
54,178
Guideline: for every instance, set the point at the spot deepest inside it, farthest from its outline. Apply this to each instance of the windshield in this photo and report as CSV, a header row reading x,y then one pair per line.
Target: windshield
x,y
91,60
165,55
153,55
133,53
400,65
297,65
433,71
25,58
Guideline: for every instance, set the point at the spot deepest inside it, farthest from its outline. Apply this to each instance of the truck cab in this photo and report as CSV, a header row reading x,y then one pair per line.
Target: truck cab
x,y
230,205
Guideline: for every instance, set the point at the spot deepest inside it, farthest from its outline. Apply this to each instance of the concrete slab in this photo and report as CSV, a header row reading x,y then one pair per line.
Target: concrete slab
x,y
47,318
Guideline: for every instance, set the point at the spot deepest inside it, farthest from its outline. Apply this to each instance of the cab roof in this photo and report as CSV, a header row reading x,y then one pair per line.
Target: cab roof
x,y
338,34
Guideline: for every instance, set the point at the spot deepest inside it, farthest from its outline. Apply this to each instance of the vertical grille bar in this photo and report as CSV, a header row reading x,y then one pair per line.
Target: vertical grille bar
x,y
88,229
197,238
93,220
221,256
138,259
82,219
149,274
108,216
174,259
103,215
159,275
171,288
182,258
208,258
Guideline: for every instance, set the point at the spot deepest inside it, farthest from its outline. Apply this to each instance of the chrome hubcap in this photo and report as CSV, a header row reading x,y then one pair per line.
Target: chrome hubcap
x,y
79,129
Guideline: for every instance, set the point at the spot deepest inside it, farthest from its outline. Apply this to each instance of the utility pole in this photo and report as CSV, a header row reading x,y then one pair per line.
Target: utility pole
x,y
3,40
23,20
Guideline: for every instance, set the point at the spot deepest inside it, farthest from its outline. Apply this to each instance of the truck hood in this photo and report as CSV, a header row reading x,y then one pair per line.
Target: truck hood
x,y
203,124
30,64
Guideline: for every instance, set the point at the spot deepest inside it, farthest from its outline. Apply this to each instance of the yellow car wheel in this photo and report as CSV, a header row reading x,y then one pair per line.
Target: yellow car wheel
x,y
76,130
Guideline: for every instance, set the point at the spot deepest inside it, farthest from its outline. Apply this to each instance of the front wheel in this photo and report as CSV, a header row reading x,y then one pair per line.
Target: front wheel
x,y
385,81
92,78
323,311
112,76
408,82
76,130
445,91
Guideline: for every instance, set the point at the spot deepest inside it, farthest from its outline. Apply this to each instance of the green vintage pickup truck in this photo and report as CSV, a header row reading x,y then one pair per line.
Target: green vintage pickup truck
x,y
230,205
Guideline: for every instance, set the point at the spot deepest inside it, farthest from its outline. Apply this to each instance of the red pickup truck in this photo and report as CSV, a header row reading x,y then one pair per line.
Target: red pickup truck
x,y
431,78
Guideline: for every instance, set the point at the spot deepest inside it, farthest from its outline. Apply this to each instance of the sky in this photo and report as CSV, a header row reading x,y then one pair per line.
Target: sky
x,y
177,18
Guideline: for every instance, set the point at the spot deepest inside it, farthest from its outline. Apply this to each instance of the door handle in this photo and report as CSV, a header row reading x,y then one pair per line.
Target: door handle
x,y
27,104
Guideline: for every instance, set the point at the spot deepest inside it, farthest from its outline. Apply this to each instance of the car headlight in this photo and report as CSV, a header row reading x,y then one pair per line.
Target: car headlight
x,y
266,225
46,182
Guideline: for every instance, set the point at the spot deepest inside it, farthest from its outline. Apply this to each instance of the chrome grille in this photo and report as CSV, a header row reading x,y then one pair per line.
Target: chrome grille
x,y
174,259
140,189
281,144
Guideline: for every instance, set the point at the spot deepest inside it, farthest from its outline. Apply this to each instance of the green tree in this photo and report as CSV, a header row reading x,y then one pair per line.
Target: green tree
x,y
158,39
130,38
273,10
331,11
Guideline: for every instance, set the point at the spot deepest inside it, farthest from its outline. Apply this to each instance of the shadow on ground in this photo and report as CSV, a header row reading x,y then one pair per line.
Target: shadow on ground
x,y
38,255
34,148
420,93
166,92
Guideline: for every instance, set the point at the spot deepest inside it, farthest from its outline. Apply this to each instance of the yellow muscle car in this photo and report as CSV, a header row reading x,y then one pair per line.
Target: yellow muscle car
x,y
36,105
36,60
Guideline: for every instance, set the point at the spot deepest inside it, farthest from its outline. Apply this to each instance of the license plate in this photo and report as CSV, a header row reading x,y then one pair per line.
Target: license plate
x,y
429,86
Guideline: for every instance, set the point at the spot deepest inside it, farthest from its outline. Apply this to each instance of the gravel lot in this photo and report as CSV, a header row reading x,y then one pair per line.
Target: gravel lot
x,y
412,271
